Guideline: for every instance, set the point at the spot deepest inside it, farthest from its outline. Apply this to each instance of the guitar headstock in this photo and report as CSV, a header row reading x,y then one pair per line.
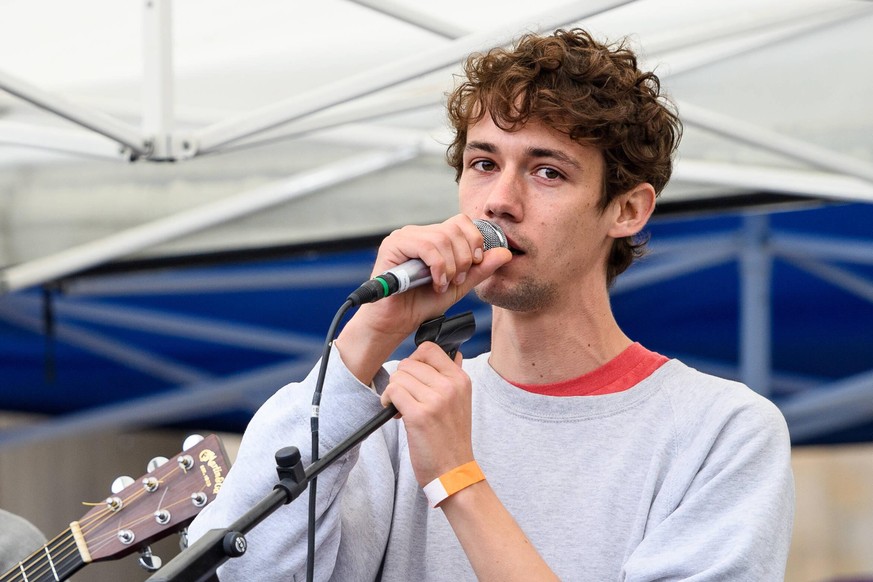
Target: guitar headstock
x,y
155,505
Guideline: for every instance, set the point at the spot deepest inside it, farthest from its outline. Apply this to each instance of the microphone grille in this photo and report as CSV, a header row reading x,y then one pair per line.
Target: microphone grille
x,y
492,234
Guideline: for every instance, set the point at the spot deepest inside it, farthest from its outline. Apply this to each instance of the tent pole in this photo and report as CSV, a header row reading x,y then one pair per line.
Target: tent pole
x,y
113,128
717,39
406,13
66,141
157,120
668,266
830,407
798,247
758,136
755,265
195,400
172,227
770,179
219,134
701,50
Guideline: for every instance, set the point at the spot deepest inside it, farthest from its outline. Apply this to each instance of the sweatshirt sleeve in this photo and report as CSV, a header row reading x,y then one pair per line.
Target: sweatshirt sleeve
x,y
730,501
277,546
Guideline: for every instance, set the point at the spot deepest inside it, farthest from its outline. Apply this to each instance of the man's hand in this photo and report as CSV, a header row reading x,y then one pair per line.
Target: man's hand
x,y
453,250
433,395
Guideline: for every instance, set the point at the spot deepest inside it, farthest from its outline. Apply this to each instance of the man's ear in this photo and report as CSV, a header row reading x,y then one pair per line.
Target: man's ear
x,y
632,210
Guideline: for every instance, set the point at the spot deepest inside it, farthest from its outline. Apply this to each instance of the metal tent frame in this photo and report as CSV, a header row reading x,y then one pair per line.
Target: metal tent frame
x,y
335,110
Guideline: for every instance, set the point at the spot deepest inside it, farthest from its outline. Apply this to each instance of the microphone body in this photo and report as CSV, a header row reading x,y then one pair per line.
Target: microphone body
x,y
414,272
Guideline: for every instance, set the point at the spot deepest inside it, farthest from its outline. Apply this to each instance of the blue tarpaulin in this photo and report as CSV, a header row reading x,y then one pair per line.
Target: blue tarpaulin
x,y
205,342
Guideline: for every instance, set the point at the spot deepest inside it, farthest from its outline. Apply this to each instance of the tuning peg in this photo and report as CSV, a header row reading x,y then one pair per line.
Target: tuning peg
x,y
120,483
155,463
183,539
191,441
148,560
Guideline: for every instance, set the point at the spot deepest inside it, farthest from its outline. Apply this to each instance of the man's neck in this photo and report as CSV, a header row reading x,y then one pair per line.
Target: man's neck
x,y
553,345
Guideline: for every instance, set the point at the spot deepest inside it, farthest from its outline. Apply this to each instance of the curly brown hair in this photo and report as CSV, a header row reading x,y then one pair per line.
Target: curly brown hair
x,y
591,91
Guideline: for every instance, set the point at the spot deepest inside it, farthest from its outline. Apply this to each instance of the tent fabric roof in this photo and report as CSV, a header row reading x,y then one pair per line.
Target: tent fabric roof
x,y
174,129
769,91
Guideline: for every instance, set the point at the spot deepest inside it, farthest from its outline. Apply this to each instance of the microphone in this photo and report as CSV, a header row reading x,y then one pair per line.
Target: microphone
x,y
414,272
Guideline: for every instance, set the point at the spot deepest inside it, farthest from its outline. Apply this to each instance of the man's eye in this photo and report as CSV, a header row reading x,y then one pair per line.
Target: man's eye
x,y
549,173
483,165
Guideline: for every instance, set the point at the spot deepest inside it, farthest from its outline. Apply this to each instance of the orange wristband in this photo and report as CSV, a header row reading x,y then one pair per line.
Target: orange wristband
x,y
453,481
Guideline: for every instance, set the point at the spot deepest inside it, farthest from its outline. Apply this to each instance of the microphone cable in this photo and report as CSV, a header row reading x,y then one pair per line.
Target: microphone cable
x,y
313,422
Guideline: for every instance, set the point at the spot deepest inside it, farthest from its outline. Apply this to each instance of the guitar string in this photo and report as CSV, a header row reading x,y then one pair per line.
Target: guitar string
x,y
25,569
69,549
34,567
99,542
109,537
57,561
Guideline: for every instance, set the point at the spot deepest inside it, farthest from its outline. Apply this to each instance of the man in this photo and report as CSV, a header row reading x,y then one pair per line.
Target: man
x,y
601,460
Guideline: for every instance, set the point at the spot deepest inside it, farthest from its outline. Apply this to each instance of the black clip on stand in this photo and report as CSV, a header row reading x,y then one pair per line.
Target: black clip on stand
x,y
199,562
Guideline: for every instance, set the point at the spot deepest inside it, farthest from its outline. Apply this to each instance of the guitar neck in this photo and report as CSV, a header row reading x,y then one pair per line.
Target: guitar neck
x,y
162,501
57,560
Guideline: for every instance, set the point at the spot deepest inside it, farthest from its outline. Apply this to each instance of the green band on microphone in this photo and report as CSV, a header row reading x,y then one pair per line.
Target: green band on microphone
x,y
384,286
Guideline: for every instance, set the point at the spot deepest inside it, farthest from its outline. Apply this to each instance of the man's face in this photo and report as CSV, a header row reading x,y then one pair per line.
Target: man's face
x,y
544,190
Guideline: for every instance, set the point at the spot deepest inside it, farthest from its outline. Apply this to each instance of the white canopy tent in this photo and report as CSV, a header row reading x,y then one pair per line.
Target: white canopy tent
x,y
164,128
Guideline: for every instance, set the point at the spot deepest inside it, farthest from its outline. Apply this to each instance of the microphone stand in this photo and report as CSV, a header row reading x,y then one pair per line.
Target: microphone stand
x,y
199,562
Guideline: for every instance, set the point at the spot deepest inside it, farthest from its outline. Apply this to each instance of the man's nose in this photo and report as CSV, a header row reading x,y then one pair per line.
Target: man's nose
x,y
506,196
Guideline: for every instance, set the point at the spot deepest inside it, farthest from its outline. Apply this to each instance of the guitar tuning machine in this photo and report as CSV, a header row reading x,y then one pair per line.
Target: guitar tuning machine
x,y
121,483
191,440
185,462
114,503
183,539
148,560
163,517
155,463
199,499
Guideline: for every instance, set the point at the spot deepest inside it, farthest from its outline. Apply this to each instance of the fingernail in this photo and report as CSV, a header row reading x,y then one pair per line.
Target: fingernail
x,y
477,255
460,278
444,282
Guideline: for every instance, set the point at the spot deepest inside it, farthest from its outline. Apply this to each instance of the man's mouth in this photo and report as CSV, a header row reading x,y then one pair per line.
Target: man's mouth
x,y
513,249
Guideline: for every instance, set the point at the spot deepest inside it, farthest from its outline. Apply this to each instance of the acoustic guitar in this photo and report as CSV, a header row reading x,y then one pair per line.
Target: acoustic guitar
x,y
161,502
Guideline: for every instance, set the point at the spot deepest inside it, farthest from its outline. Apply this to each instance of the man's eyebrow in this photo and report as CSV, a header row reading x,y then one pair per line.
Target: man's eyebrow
x,y
481,146
536,152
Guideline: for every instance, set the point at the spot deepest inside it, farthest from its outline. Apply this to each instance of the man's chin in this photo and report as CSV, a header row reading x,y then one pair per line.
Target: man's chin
x,y
524,297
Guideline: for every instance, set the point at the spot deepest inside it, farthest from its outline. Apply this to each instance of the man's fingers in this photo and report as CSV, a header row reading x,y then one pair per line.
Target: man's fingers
x,y
491,261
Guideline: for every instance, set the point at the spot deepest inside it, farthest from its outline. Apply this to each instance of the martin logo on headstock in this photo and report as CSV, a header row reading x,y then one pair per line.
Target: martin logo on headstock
x,y
161,502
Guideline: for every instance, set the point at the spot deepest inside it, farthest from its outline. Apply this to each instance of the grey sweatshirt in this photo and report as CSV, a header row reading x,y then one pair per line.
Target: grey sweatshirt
x,y
682,477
